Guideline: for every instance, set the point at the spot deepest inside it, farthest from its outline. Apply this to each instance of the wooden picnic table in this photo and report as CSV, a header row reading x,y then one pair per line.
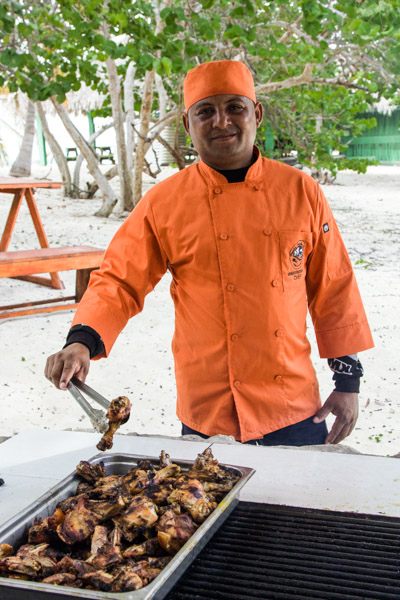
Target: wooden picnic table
x,y
21,188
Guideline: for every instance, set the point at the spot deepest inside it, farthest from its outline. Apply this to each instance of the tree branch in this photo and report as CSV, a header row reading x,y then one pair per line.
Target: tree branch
x,y
274,86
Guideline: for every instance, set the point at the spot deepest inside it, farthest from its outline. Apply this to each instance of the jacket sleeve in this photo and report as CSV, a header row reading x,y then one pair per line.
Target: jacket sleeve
x,y
334,300
133,264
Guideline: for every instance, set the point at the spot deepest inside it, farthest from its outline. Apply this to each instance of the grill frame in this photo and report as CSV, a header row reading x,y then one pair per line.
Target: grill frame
x,y
295,553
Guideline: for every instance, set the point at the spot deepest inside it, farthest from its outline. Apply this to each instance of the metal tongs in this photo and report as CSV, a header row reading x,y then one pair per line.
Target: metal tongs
x,y
97,417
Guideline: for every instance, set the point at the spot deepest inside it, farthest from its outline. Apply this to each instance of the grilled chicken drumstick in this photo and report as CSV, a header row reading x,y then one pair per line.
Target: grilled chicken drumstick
x,y
117,415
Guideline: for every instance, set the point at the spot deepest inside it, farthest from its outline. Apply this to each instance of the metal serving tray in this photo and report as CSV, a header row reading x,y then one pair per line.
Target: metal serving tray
x,y
14,532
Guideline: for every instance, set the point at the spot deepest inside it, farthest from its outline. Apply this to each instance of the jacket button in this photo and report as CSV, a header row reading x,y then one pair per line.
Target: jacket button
x,y
234,337
223,236
236,383
257,187
217,190
275,283
279,333
267,231
278,378
230,287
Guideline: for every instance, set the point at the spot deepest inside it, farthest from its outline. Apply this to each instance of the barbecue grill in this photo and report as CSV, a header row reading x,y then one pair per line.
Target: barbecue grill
x,y
276,552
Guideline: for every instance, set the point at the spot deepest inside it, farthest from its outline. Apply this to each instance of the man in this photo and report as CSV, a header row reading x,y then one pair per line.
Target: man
x,y
250,243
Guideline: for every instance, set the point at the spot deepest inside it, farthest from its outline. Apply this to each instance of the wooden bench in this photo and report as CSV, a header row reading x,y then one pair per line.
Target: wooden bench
x,y
25,264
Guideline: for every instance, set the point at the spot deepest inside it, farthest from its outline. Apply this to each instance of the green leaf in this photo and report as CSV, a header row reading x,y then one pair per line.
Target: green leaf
x,y
167,64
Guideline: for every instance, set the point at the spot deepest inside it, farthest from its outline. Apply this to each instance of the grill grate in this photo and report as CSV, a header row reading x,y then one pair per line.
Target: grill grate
x,y
276,552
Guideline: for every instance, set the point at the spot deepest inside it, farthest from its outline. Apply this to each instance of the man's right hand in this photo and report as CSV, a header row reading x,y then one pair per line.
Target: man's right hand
x,y
72,361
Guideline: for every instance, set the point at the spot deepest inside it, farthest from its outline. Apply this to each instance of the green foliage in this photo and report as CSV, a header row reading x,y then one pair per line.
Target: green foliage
x,y
48,47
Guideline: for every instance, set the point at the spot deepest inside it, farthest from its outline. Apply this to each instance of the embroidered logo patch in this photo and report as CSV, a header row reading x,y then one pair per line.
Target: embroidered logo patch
x,y
326,227
296,254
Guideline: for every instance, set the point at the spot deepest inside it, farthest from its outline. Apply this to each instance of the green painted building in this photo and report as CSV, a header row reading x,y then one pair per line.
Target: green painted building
x,y
382,143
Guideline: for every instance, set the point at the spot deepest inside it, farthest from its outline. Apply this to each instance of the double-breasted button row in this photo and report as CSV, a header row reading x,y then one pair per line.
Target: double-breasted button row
x,y
217,190
225,236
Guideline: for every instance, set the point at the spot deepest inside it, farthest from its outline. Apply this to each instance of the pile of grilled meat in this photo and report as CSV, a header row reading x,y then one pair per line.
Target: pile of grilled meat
x,y
119,531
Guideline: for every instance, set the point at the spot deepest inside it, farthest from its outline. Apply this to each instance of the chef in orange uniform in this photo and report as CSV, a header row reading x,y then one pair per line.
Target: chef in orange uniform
x,y
251,245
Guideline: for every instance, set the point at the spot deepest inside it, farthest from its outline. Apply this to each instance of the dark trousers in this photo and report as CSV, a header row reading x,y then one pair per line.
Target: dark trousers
x,y
305,433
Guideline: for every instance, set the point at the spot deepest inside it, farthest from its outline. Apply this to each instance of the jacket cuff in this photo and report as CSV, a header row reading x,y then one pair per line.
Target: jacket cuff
x,y
343,383
83,334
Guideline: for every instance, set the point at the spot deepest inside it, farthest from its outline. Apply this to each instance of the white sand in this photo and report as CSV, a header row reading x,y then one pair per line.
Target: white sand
x,y
367,209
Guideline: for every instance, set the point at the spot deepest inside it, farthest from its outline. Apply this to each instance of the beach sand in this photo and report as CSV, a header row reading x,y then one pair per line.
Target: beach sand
x,y
140,366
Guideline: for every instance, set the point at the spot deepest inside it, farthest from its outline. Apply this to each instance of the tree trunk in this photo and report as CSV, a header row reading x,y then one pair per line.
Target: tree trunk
x,y
162,96
145,114
93,187
22,165
125,176
130,113
109,197
58,154
79,159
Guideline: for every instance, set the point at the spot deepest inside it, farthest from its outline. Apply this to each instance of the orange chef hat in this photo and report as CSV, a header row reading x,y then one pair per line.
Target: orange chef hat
x,y
218,77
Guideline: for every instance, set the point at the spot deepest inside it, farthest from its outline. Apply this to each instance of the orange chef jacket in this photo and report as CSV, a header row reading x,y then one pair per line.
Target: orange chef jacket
x,y
246,259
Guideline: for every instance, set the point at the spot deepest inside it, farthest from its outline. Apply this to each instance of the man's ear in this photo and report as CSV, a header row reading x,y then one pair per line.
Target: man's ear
x,y
185,119
258,109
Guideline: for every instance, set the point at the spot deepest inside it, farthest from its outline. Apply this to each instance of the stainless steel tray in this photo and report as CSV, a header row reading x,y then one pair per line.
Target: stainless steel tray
x,y
14,532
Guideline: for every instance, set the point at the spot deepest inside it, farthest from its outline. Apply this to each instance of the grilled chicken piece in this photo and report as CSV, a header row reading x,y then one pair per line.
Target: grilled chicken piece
x,y
99,580
33,565
159,562
106,548
63,579
70,503
158,493
148,547
137,480
45,532
170,471
73,565
106,509
140,514
144,465
145,572
164,459
84,488
207,468
109,487
191,496
173,531
126,581
5,550
117,415
91,472
42,550
78,525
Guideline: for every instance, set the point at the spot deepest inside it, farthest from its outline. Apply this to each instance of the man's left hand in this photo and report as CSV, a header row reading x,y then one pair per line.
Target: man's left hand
x,y
344,405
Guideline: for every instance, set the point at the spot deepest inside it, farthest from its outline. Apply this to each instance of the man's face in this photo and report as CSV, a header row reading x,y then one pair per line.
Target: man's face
x,y
223,129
